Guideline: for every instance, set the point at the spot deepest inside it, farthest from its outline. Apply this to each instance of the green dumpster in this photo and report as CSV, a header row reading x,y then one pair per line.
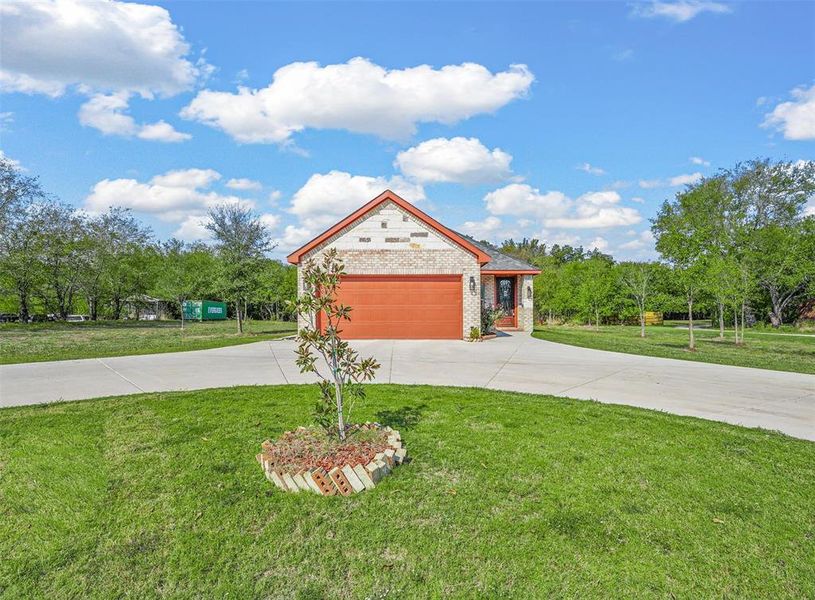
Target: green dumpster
x,y
204,310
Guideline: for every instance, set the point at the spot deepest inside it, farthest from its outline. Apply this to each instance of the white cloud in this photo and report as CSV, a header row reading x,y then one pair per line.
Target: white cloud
x,y
275,196
795,118
698,160
175,196
49,46
638,200
294,237
560,238
481,230
555,209
107,114
620,184
680,11
597,210
520,199
644,239
688,179
162,131
326,198
271,221
684,179
456,160
358,96
599,243
243,184
193,229
591,169
187,178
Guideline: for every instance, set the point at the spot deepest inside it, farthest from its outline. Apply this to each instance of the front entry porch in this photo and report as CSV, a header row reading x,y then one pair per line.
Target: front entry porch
x,y
511,291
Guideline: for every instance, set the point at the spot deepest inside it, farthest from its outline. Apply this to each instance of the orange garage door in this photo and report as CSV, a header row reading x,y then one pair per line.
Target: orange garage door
x,y
402,306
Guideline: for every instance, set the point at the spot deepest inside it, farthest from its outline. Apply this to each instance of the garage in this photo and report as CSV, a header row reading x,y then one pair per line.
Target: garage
x,y
402,306
407,276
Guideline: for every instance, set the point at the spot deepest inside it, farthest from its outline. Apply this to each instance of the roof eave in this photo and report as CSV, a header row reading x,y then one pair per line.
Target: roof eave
x,y
296,256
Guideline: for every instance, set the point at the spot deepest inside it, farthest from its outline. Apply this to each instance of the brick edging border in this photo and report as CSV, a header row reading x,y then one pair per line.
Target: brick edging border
x,y
346,480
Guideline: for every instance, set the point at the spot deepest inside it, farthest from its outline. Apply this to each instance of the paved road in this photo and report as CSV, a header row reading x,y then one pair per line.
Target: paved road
x,y
743,396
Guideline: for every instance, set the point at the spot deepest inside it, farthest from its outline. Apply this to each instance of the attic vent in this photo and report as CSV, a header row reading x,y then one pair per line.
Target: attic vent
x,y
364,239
405,218
384,224
419,234
393,240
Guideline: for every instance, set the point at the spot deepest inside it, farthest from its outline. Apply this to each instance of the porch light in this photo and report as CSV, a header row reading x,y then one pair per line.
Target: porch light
x,y
472,284
529,293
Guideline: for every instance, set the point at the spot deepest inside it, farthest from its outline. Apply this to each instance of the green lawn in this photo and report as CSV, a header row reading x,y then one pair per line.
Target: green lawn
x,y
762,350
508,495
63,341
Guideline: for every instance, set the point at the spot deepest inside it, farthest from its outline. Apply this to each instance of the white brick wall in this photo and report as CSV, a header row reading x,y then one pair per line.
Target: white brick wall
x,y
405,246
526,311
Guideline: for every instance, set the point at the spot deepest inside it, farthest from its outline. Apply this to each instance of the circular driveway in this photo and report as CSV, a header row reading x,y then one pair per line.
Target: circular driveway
x,y
738,395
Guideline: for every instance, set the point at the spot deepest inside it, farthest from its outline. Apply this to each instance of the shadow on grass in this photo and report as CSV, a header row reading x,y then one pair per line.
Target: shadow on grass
x,y
406,417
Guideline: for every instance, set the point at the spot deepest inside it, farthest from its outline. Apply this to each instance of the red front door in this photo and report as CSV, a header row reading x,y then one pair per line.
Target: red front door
x,y
505,299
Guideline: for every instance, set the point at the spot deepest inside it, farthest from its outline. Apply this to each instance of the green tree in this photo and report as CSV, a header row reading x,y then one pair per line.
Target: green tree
x,y
321,338
61,251
277,289
21,271
683,230
120,252
636,280
596,289
241,241
186,270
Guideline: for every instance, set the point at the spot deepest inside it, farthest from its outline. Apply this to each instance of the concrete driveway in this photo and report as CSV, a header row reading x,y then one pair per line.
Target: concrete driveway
x,y
743,396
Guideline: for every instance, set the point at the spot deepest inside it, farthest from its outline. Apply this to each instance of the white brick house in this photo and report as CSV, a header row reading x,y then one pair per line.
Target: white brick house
x,y
409,276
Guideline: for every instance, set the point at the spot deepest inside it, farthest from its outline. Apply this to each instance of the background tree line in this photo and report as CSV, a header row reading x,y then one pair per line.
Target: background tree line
x,y
57,260
736,246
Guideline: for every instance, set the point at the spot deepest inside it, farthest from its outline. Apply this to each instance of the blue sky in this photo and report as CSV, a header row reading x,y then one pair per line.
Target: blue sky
x,y
567,122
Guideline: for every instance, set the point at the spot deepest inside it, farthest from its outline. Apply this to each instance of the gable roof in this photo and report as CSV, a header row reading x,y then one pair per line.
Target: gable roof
x,y
462,241
502,262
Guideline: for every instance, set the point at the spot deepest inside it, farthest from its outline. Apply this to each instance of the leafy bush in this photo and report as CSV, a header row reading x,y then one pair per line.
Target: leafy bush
x,y
489,315
475,334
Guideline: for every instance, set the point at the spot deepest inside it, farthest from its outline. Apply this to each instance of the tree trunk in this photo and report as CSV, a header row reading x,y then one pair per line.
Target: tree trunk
x,y
597,320
181,304
117,309
736,323
23,307
642,323
549,318
691,340
721,320
742,321
779,303
340,415
238,316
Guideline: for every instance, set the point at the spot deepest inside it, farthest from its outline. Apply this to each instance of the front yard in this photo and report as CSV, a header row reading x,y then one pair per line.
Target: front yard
x,y
39,342
762,349
508,495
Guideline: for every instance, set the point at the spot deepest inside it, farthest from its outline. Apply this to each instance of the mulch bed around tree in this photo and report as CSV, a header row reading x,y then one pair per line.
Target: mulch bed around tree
x,y
312,448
